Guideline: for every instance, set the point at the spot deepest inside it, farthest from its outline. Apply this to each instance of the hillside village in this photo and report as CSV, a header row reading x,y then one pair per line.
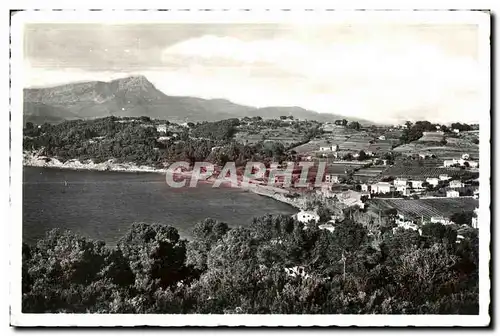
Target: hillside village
x,y
434,178
400,175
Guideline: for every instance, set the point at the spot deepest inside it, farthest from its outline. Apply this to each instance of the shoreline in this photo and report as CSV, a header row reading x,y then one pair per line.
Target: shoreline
x,y
33,160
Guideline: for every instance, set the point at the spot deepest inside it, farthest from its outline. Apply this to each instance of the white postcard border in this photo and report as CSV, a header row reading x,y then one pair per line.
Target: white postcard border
x,y
19,319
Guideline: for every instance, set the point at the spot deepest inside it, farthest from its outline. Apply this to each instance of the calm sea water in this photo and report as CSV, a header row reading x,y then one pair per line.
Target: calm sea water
x,y
103,205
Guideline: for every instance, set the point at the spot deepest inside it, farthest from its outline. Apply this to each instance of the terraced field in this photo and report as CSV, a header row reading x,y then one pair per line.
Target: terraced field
x,y
381,146
340,168
441,152
420,172
426,207
431,137
369,174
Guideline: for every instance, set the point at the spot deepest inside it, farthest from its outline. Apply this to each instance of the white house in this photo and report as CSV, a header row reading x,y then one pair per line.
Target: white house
x,y
164,138
416,184
405,223
404,190
473,164
456,130
433,181
161,128
327,226
438,127
441,220
400,182
449,163
307,216
365,187
452,193
456,184
408,225
382,137
334,219
465,156
328,148
475,223
444,177
476,194
326,190
352,198
330,178
381,188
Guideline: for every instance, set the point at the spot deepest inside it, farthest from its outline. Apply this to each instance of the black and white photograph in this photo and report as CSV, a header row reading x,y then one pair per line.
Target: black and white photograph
x,y
250,168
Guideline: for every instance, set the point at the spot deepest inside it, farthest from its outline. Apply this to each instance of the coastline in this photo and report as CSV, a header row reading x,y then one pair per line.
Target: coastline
x,y
33,160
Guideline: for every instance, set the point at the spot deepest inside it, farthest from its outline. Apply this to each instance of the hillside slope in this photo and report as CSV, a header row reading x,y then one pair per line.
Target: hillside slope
x,y
136,96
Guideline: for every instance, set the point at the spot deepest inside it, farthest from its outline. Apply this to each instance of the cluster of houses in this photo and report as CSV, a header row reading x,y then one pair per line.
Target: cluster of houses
x,y
401,185
464,161
405,186
333,150
438,128
410,223
402,221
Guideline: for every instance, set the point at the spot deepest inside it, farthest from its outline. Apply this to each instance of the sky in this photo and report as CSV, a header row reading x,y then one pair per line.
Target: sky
x,y
380,72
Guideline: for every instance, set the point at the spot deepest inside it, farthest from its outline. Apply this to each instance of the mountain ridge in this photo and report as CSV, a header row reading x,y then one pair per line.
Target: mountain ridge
x,y
136,96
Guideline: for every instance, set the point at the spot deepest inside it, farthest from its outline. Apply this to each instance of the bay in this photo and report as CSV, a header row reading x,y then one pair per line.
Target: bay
x,y
103,205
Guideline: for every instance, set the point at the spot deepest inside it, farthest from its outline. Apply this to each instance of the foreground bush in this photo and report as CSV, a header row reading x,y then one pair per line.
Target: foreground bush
x,y
276,266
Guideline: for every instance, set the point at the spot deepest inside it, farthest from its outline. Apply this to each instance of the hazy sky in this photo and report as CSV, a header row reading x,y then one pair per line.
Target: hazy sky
x,y
373,71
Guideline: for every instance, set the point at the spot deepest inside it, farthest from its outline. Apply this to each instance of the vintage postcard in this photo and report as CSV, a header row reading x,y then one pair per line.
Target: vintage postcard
x,y
250,168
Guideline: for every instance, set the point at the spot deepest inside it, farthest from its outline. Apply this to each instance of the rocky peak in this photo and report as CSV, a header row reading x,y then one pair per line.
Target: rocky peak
x,y
134,83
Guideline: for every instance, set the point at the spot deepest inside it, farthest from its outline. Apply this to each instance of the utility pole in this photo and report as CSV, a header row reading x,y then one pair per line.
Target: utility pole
x,y
343,259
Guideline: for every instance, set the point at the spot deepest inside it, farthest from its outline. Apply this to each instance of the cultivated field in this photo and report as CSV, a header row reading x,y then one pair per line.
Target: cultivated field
x,y
286,135
420,171
369,174
426,207
341,168
441,152
381,146
431,137
456,145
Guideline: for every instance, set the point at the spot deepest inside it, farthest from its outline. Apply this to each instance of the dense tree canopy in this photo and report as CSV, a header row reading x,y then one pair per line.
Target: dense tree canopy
x,y
217,130
276,265
461,127
139,142
415,131
354,125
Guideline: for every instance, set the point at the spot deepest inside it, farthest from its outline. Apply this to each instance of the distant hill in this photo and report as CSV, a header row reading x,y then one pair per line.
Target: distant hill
x,y
136,96
39,113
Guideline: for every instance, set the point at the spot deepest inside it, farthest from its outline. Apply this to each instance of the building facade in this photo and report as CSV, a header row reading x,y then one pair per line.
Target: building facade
x,y
307,216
